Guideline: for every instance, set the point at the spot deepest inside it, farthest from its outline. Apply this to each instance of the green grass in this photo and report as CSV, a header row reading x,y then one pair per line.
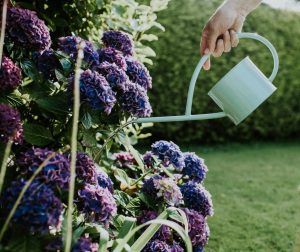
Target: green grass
x,y
255,195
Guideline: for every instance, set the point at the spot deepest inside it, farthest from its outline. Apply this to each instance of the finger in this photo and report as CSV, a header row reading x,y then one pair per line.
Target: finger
x,y
219,48
204,50
227,42
210,36
234,38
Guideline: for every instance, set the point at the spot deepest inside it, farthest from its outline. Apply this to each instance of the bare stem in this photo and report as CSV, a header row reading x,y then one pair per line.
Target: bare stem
x,y
3,25
76,108
4,163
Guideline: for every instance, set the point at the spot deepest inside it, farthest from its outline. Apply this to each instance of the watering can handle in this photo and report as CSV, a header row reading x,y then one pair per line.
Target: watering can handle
x,y
197,70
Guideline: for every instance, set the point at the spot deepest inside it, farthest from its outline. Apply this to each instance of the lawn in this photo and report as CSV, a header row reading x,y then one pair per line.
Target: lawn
x,y
255,195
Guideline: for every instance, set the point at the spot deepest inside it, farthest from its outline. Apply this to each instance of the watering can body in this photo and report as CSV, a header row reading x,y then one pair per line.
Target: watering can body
x,y
238,93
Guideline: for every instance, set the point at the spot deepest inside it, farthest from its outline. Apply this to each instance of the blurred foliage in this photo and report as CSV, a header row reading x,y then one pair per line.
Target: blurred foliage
x,y
90,18
178,54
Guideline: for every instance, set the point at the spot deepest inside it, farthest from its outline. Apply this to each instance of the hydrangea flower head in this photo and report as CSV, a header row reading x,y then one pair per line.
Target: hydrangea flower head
x,y
84,244
47,62
149,186
86,168
164,233
176,247
124,159
104,181
119,40
115,76
194,167
54,245
10,75
97,203
198,228
55,173
27,30
196,197
10,124
169,153
69,45
135,101
148,159
95,90
111,55
39,210
157,246
138,73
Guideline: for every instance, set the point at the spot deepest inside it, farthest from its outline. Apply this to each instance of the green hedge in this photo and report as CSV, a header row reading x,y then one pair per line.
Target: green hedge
x,y
177,56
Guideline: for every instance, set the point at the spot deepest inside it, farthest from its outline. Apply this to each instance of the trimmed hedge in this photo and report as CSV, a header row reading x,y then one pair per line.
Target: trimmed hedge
x,y
177,55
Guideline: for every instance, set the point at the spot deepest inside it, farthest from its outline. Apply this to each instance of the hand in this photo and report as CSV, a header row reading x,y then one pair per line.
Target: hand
x,y
219,34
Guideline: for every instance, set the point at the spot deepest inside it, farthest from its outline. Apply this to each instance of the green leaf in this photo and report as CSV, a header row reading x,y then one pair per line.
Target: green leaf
x,y
24,243
86,120
55,104
30,69
134,206
37,135
122,177
149,37
122,198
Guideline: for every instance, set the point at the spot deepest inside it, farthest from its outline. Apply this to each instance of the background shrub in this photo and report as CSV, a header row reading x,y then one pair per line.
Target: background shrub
x,y
178,53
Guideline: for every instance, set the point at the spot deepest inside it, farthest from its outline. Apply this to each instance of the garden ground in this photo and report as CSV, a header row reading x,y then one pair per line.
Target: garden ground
x,y
255,194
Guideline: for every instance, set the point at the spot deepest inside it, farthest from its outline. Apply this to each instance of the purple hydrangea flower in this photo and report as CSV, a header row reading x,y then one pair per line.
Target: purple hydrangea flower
x,y
69,45
97,203
148,159
164,233
157,246
194,167
135,101
169,153
115,76
176,247
111,55
10,75
198,228
119,40
27,30
168,190
84,244
55,245
47,62
105,182
138,73
10,124
39,210
86,168
124,159
95,90
55,173
149,186
196,197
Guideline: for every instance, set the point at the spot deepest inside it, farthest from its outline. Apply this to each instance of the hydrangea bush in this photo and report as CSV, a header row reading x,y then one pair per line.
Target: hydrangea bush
x,y
118,192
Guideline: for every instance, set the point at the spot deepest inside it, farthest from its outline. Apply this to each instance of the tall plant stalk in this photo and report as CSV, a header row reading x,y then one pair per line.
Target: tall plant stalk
x,y
3,25
4,163
76,108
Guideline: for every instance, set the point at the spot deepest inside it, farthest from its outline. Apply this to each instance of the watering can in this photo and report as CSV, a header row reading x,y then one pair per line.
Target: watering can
x,y
238,93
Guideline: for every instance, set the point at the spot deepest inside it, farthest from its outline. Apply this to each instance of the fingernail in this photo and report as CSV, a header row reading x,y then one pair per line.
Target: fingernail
x,y
206,51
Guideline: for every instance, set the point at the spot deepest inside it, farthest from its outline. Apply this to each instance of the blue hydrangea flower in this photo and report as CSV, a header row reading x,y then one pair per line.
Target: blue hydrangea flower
x,y
47,62
54,245
39,210
97,203
27,30
95,90
105,182
149,186
118,40
115,76
135,101
194,167
84,244
86,168
157,246
164,233
198,249
10,75
169,153
138,73
196,197
69,45
56,172
111,55
10,124
198,228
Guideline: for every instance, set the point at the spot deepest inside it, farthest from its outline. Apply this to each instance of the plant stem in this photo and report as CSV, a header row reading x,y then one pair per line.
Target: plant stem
x,y
140,178
23,191
76,108
4,163
3,25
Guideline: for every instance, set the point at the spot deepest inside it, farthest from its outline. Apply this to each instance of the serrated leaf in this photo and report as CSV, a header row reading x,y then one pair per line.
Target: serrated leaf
x,y
37,135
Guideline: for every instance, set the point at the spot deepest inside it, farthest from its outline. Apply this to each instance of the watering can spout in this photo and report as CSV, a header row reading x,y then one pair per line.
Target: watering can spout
x,y
238,93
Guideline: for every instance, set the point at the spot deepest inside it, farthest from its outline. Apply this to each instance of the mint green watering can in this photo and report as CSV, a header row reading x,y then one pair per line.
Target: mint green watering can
x,y
238,93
